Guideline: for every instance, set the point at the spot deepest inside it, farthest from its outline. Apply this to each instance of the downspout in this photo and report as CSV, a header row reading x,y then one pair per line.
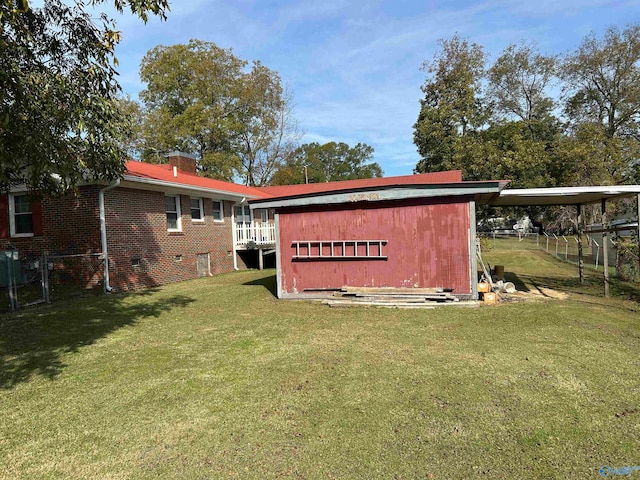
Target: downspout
x,y
233,233
103,236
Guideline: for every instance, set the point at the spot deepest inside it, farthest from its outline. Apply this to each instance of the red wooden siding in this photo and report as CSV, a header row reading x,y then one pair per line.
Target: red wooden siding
x,y
427,245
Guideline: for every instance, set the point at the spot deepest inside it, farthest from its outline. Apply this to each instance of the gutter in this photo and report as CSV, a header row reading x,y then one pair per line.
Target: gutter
x,y
233,233
103,235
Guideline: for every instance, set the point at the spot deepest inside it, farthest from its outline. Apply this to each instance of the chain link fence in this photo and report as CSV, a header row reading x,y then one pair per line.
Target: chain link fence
x,y
27,280
622,251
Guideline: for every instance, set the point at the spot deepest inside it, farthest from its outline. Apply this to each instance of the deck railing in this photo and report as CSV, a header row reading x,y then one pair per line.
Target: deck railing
x,y
256,233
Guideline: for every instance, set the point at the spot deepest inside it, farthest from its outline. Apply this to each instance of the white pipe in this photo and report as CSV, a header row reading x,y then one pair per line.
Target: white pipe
x,y
233,232
233,236
103,236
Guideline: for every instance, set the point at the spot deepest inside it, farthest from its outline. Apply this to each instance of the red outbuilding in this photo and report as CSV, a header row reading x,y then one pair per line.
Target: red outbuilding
x,y
414,231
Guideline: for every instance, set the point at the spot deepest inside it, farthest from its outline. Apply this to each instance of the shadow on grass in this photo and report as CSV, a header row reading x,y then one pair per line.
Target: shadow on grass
x,y
517,281
268,282
33,341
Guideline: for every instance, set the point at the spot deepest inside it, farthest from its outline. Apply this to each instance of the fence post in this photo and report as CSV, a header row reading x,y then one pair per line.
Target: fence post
x,y
566,247
494,239
547,242
597,251
556,237
12,306
44,264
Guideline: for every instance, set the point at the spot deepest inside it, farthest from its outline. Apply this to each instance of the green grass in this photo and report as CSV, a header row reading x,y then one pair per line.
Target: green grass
x,y
215,378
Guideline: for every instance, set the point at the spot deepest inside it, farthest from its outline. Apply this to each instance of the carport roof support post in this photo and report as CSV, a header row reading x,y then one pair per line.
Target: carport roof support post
x,y
605,247
580,254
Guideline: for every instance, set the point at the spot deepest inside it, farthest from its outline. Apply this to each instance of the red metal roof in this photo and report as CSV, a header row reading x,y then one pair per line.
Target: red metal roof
x,y
164,173
451,176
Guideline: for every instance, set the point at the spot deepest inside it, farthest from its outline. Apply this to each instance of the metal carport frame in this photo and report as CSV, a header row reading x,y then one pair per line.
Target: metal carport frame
x,y
577,196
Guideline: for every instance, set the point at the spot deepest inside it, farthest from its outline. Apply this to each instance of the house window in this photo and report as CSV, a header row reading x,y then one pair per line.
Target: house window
x,y
243,215
197,212
174,222
264,215
218,211
20,216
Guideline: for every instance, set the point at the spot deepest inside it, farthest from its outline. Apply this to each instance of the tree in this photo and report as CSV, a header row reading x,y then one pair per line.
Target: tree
x,y
505,151
603,81
517,88
451,107
315,163
133,115
603,96
203,100
59,117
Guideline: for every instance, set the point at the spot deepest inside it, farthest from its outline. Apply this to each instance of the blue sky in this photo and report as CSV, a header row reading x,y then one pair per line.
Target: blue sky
x,y
354,66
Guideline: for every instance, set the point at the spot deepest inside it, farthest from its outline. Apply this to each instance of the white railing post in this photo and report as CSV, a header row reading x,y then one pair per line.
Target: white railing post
x,y
259,233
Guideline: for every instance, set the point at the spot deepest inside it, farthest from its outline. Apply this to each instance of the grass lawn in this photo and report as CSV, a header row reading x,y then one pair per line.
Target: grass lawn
x,y
215,378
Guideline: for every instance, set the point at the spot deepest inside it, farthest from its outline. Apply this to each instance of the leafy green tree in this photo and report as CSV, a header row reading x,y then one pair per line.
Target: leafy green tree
x,y
505,151
202,99
133,115
603,98
518,81
315,163
603,81
452,106
59,116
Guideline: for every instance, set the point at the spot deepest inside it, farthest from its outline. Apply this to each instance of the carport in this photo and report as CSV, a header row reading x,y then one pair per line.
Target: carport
x,y
576,196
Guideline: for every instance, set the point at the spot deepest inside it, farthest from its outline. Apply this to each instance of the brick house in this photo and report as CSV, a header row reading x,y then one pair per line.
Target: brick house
x,y
158,224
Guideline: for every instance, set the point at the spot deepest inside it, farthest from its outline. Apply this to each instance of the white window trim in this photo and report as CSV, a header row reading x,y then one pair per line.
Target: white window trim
x,y
12,218
221,205
201,206
178,212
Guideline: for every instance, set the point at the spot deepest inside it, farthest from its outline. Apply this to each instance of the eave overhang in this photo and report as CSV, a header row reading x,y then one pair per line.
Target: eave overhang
x,y
480,191
175,188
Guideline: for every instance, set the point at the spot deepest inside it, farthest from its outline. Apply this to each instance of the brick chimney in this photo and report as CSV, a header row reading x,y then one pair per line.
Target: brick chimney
x,y
182,161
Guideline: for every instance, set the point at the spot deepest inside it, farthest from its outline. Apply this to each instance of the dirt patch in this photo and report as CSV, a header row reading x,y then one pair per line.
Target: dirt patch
x,y
542,292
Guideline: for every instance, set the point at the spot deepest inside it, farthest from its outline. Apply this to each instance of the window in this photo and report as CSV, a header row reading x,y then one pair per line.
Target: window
x,y
243,215
264,215
197,212
20,216
174,222
218,211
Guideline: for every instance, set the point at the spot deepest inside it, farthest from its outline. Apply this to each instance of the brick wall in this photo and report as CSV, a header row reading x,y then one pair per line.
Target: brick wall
x,y
136,232
70,226
143,253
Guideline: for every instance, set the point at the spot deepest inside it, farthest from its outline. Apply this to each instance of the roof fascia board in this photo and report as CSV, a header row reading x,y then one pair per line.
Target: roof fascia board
x,y
564,195
380,194
177,188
